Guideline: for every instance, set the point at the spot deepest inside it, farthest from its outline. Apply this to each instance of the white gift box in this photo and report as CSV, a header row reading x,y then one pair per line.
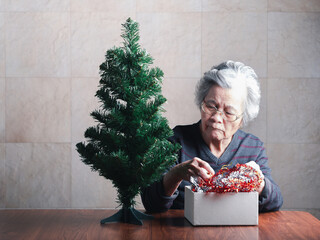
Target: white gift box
x,y
221,208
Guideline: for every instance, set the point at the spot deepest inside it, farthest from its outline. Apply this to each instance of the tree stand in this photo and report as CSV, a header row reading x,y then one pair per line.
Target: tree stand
x,y
127,215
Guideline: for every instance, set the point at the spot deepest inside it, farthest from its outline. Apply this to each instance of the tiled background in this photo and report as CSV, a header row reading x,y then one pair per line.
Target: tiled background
x,y
50,52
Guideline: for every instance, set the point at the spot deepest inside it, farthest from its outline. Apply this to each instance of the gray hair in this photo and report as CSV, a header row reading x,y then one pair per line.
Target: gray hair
x,y
226,75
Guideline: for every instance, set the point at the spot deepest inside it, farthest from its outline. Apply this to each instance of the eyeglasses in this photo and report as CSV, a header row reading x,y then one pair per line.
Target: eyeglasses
x,y
211,109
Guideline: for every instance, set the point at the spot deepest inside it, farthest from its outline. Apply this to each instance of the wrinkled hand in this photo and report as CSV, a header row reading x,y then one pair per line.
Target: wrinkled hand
x,y
257,168
183,171
195,168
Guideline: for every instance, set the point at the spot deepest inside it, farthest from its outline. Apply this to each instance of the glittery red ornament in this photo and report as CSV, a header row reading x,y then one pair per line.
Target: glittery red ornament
x,y
240,178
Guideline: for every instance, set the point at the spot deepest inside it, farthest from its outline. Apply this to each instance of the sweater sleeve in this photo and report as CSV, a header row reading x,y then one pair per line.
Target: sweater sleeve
x,y
270,198
153,198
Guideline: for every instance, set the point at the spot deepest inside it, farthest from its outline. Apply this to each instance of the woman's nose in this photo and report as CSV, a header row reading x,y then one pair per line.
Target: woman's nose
x,y
217,116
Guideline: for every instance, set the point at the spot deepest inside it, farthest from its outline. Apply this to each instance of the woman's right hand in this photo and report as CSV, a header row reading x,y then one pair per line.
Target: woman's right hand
x,y
194,168
183,171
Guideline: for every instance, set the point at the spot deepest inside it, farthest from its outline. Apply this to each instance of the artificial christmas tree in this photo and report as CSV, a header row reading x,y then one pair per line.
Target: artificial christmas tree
x,y
130,143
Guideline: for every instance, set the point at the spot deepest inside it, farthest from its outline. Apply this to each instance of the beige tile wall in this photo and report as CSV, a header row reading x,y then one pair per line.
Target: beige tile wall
x,y
98,29
50,52
37,44
38,110
37,175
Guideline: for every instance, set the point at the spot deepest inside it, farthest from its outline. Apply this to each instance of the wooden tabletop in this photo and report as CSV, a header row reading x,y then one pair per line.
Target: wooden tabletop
x,y
85,224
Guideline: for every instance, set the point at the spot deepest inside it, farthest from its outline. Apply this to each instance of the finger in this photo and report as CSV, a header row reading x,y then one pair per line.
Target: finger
x,y
203,173
200,172
186,172
255,166
191,173
205,165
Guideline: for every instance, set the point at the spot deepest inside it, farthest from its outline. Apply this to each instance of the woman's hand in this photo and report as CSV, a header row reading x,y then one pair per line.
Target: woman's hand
x,y
257,168
194,168
183,171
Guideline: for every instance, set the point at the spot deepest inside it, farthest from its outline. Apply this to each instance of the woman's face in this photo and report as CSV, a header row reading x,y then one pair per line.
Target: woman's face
x,y
213,126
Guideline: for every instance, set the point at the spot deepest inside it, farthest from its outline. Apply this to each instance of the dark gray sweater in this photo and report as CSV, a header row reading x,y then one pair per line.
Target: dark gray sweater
x,y
242,149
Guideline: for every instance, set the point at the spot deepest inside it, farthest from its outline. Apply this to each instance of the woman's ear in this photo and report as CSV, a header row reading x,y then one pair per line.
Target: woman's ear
x,y
241,123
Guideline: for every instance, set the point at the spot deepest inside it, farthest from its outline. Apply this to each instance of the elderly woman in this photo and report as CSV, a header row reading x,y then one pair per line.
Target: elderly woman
x,y
228,97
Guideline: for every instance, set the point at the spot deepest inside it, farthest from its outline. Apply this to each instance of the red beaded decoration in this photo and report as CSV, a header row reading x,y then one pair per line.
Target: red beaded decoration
x,y
240,178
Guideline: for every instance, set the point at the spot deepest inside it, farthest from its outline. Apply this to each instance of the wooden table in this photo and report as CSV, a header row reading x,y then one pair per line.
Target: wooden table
x,y
85,224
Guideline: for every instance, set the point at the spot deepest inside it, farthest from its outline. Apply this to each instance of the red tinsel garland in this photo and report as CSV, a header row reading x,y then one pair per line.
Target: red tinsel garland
x,y
240,178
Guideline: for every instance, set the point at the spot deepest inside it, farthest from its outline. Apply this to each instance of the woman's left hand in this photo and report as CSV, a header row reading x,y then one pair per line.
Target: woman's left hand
x,y
257,168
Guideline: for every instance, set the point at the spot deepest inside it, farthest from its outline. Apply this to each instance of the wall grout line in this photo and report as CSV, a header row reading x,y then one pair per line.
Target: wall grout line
x,y
71,104
5,102
267,83
201,36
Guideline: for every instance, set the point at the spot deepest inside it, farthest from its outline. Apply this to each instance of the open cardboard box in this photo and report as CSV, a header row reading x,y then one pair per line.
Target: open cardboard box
x,y
221,208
